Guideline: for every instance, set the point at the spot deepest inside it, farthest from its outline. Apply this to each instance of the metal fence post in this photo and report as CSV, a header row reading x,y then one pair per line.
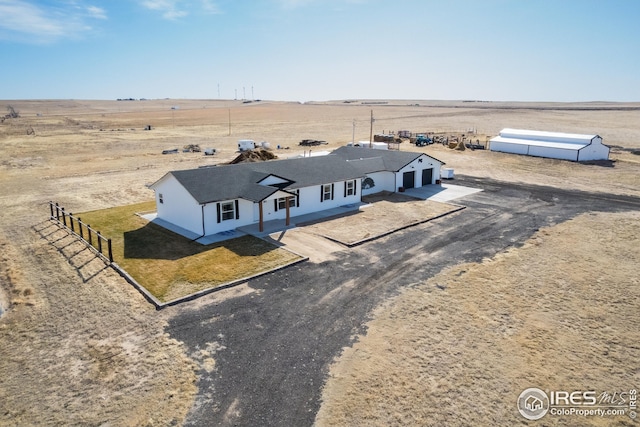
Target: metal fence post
x,y
71,222
64,217
99,242
110,251
51,208
89,231
80,228
57,212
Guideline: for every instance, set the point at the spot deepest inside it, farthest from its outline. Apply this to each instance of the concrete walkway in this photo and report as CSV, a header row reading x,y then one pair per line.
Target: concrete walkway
x,y
441,193
279,224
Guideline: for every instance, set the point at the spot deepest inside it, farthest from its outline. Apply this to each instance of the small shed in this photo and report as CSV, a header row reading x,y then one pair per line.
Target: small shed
x,y
555,145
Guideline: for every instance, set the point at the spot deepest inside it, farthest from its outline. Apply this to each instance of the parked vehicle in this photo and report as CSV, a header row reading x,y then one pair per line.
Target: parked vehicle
x,y
246,144
422,140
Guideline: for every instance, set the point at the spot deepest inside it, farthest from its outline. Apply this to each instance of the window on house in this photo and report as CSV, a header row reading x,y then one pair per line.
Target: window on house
x,y
327,192
160,199
282,203
228,210
350,188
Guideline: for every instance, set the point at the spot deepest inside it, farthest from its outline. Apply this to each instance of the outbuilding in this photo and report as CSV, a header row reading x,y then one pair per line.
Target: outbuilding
x,y
555,145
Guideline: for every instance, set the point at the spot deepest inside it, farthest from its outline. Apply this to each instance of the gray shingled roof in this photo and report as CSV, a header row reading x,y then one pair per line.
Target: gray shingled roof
x,y
391,159
229,182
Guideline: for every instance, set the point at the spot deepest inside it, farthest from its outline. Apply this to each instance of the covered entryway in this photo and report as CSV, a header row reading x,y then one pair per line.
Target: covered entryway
x,y
409,179
427,176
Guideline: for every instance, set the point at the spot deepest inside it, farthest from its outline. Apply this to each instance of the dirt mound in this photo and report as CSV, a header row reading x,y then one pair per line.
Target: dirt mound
x,y
457,145
258,155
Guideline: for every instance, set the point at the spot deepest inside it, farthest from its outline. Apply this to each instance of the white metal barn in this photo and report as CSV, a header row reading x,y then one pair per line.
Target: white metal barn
x,y
555,145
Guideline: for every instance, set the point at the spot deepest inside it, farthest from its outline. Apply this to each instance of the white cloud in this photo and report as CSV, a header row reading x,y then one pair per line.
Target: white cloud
x,y
22,17
175,9
96,12
25,20
168,8
210,7
294,4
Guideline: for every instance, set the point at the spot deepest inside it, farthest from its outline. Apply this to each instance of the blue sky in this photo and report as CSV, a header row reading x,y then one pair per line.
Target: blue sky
x,y
304,50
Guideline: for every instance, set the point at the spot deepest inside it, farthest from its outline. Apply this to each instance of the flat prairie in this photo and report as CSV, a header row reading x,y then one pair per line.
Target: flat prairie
x,y
79,346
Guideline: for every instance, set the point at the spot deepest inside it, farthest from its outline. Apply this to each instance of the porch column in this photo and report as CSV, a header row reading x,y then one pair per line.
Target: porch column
x,y
261,223
286,204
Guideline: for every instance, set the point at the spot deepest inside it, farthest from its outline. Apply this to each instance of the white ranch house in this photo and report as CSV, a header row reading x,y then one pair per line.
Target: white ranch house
x,y
555,145
211,200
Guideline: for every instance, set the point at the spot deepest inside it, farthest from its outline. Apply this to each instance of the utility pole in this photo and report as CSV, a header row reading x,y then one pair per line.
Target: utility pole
x,y
353,134
371,131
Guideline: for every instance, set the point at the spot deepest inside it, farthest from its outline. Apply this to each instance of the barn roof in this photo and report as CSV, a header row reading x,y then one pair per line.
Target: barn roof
x,y
537,135
557,140
549,144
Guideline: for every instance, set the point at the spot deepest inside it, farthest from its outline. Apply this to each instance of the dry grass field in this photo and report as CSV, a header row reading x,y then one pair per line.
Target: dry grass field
x,y
87,349
459,348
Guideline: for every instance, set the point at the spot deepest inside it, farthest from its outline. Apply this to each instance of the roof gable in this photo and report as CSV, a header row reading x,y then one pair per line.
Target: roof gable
x,y
274,180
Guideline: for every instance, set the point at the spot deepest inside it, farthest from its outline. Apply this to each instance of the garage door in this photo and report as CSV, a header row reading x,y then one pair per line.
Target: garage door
x,y
409,179
427,176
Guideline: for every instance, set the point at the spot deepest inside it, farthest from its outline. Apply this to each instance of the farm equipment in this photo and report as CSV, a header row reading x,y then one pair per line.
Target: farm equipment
x,y
191,148
311,142
476,146
422,140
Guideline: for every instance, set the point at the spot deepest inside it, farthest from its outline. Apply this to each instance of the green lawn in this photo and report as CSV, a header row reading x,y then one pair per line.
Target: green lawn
x,y
170,266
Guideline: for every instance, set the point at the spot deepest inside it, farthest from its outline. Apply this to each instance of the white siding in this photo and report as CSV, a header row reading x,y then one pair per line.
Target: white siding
x,y
553,153
310,198
418,165
594,151
212,226
505,147
178,206
383,181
